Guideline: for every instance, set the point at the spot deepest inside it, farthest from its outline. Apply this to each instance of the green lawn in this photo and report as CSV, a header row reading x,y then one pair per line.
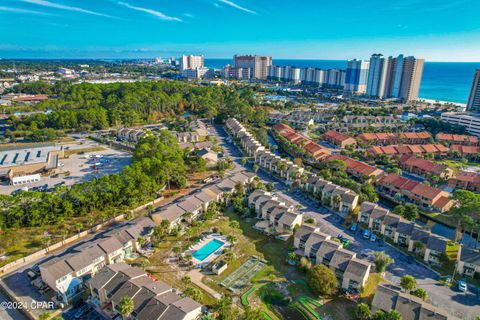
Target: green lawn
x,y
371,286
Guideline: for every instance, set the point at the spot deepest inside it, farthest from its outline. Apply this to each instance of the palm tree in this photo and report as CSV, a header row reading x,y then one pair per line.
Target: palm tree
x,y
126,307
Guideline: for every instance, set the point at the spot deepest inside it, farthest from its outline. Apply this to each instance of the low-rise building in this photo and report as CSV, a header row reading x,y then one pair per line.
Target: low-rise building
x,y
27,162
469,152
359,123
192,206
339,139
341,200
152,299
277,215
469,262
411,149
382,139
130,134
399,189
66,273
402,232
388,297
319,248
424,167
466,180
357,169
313,151
458,139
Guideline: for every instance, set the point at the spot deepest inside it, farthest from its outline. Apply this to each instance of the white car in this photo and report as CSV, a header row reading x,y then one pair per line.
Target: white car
x,y
462,286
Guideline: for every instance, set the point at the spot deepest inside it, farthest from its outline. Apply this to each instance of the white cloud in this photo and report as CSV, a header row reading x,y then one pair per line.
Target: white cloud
x,y
236,6
49,4
18,10
155,13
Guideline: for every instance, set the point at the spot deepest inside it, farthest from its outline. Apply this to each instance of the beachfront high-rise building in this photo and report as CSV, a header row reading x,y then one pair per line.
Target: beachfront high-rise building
x,y
394,77
378,76
474,98
258,65
356,76
411,78
191,62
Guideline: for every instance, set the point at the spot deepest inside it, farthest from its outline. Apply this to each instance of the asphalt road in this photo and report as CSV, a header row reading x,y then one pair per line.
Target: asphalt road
x,y
463,305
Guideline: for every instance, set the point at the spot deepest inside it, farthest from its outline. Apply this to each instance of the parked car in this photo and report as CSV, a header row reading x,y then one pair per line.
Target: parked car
x,y
462,286
354,227
366,234
373,238
31,275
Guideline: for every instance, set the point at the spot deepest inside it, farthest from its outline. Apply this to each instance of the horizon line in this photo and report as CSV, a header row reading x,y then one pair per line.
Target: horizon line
x,y
212,58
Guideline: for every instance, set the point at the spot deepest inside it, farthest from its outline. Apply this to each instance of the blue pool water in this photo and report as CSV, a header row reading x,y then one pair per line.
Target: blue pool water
x,y
207,249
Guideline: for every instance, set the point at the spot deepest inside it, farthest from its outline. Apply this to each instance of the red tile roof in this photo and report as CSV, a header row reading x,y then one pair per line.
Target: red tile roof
x,y
457,138
465,149
358,167
466,176
399,182
425,165
280,127
413,149
335,136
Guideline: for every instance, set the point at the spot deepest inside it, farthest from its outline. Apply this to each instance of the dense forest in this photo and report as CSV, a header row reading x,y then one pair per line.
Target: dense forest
x,y
157,160
97,66
86,106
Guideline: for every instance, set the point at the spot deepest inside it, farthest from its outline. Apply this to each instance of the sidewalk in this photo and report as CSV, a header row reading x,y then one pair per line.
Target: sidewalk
x,y
197,277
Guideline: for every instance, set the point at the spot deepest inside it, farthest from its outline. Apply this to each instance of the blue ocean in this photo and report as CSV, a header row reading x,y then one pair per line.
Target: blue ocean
x,y
443,81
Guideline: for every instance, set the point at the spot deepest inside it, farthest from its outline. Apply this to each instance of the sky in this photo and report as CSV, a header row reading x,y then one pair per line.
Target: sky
x,y
437,30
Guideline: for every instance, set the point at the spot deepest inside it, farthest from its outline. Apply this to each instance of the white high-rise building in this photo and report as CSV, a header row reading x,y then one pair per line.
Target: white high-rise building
x,y
378,76
259,65
191,62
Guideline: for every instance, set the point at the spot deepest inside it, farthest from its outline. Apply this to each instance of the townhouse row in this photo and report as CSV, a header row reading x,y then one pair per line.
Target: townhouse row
x,y
339,199
412,149
277,215
65,274
192,206
423,167
313,151
319,247
267,160
402,190
339,139
403,232
387,138
152,299
358,170
388,297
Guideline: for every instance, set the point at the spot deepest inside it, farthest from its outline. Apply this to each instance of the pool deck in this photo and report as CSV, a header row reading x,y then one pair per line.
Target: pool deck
x,y
213,255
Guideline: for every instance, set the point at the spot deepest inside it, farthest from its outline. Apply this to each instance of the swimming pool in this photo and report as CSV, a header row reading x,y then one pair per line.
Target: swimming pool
x,y
207,249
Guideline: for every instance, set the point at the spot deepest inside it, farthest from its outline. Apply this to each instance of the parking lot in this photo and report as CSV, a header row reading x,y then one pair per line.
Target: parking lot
x,y
79,167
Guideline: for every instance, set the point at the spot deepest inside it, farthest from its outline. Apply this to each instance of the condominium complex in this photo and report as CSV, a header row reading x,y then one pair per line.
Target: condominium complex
x,y
331,78
191,62
377,76
192,67
356,76
397,77
257,65
474,98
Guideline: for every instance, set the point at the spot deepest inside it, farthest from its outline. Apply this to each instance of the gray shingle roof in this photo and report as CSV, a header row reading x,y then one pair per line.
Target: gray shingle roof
x,y
470,256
